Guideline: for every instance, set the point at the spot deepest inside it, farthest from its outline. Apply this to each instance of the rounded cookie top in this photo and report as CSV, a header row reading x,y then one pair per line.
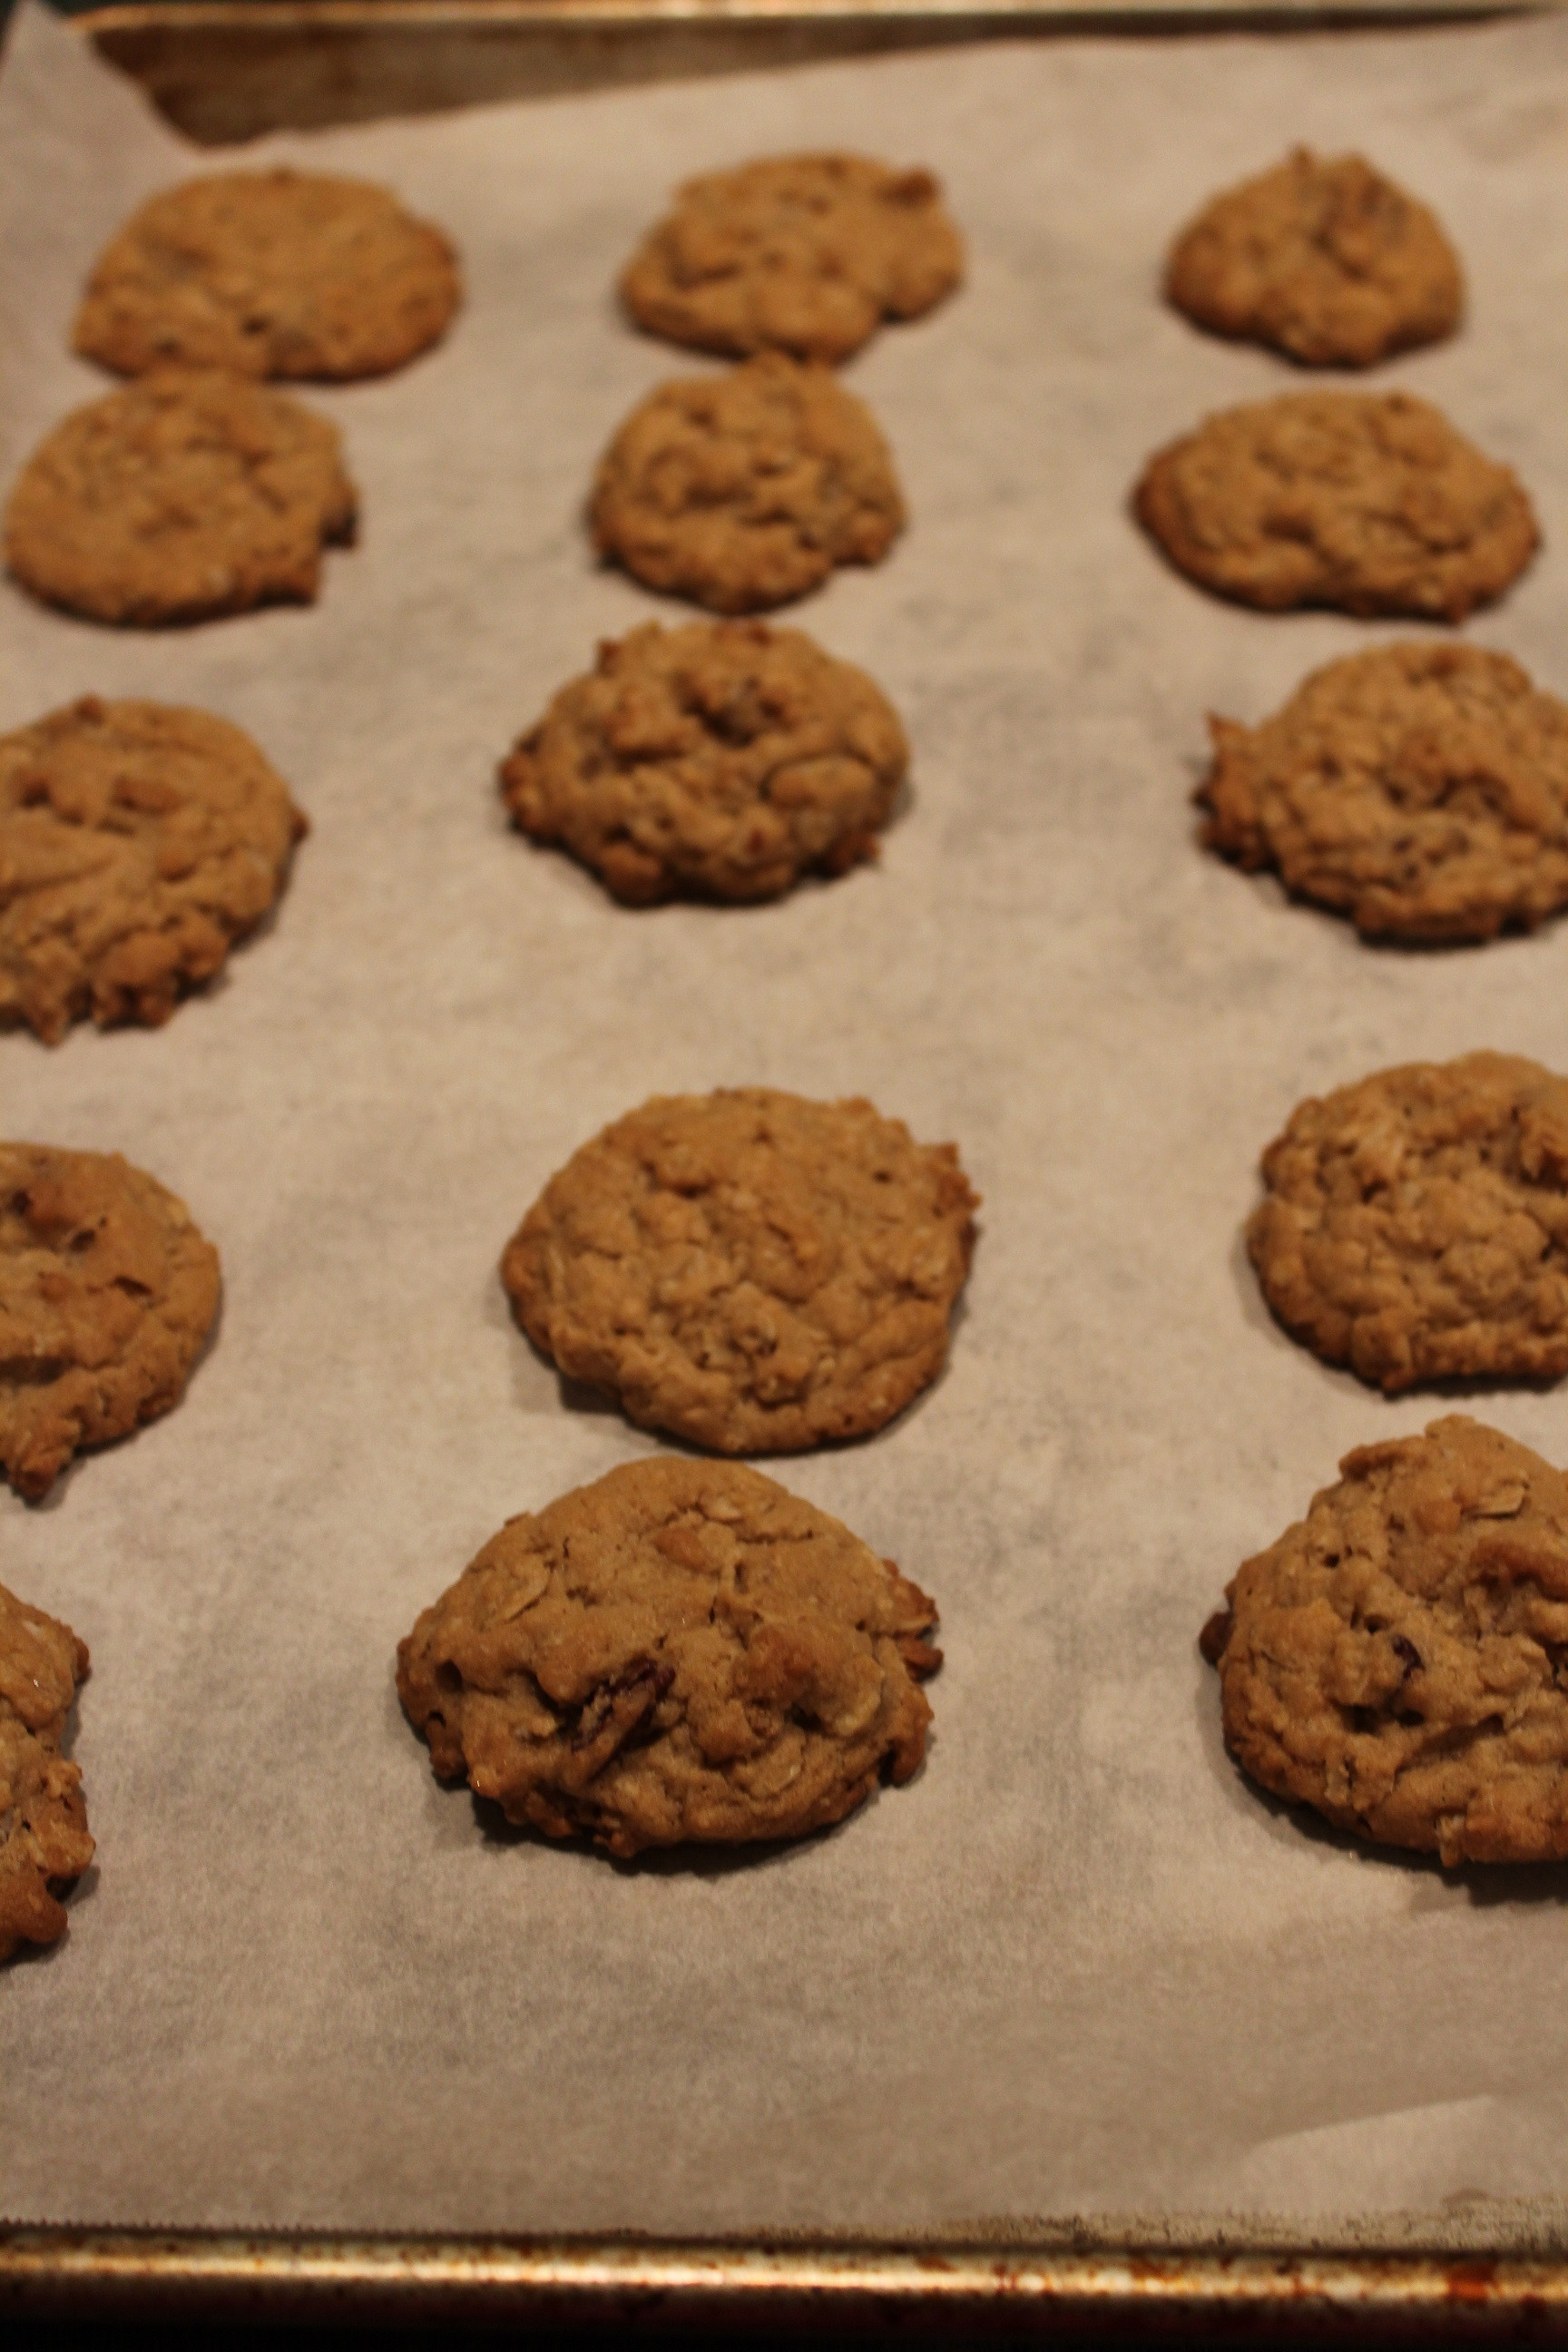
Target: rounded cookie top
x,y
680,1652
1322,258
1392,1659
725,757
180,497
744,490
107,1293
138,841
44,1841
1421,790
747,1269
1415,1224
277,273
1369,502
803,254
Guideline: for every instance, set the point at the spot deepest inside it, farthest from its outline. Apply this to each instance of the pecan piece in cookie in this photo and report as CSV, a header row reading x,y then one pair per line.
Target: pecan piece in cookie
x,y
1366,502
682,1653
1422,790
744,490
1415,1225
1397,1659
725,759
1322,258
44,1843
275,273
138,842
752,1271
107,1294
184,495
803,254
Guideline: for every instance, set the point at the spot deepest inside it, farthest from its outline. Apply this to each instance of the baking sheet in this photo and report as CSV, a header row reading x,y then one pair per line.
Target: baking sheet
x,y
1077,1968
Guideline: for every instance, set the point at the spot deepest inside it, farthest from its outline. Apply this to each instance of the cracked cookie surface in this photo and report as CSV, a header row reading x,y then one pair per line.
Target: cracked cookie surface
x,y
1415,1224
107,1293
44,1841
724,758
184,495
680,1652
1421,790
744,490
747,1269
138,842
1322,258
802,254
1366,502
1399,1658
277,273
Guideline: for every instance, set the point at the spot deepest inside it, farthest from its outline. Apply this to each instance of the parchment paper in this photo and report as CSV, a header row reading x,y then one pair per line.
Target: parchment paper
x,y
1077,1966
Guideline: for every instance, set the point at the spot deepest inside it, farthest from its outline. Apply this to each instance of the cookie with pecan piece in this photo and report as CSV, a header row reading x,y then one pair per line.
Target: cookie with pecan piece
x,y
1396,1659
680,1652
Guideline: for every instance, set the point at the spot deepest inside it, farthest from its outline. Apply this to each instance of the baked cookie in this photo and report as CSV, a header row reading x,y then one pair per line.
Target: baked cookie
x,y
275,273
744,490
107,1293
682,1653
43,1843
1392,1660
184,496
138,841
749,1270
1369,502
725,757
1322,258
803,254
1415,1226
1422,790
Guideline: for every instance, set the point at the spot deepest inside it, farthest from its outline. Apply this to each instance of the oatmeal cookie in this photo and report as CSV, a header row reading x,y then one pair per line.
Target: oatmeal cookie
x,y
682,1653
277,273
1369,502
725,757
107,1293
1422,790
803,254
1395,1659
747,1269
43,1843
183,497
1415,1226
744,490
1322,258
138,841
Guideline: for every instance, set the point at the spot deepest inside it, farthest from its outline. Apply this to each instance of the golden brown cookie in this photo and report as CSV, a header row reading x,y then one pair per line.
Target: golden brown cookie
x,y
275,273
184,495
43,1843
725,757
1393,1659
138,842
1322,258
1422,790
744,490
107,1293
1369,502
747,1269
803,254
682,1653
1415,1225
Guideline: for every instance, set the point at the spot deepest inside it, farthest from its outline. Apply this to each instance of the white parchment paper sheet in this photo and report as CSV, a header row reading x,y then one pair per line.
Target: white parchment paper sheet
x,y
1078,1966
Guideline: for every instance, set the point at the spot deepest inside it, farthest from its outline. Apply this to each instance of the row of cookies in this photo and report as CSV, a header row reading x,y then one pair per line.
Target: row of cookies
x,y
1392,1660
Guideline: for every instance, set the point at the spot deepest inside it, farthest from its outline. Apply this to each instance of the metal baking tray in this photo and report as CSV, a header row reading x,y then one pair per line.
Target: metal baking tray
x,y
226,70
